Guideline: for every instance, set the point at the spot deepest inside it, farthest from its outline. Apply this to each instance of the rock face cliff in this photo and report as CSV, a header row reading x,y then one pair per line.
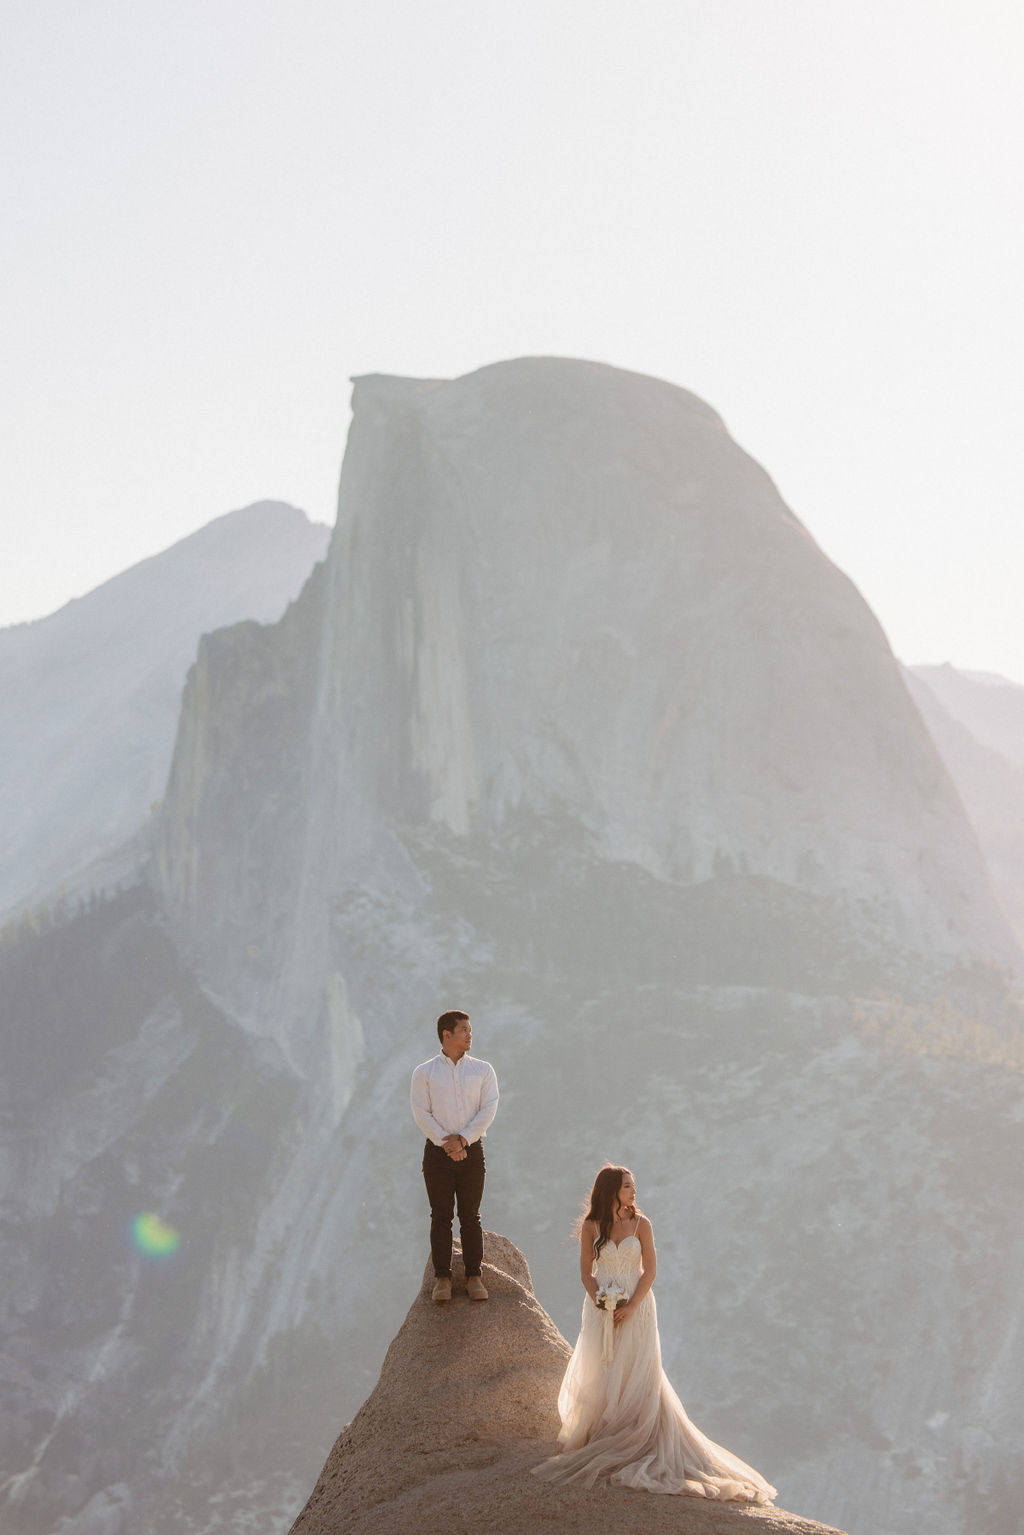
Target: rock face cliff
x,y
561,593
577,729
464,1408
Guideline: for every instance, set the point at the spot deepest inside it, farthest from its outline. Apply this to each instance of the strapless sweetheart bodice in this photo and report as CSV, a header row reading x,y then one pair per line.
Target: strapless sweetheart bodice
x,y
620,1261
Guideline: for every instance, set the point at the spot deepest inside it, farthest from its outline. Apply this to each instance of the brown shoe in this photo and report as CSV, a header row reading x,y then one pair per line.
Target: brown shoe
x,y
475,1288
442,1290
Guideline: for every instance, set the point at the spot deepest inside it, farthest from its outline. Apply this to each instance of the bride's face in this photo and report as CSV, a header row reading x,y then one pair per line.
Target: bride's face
x,y
626,1196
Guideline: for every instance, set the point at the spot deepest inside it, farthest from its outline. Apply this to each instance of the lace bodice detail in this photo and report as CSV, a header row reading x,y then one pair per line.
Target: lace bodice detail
x,y
621,1262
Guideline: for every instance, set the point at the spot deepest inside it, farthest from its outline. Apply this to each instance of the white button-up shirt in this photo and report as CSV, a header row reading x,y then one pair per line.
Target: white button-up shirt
x,y
454,1097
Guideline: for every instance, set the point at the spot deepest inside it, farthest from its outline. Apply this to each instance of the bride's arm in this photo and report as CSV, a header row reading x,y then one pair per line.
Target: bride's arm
x,y
645,1232
588,1237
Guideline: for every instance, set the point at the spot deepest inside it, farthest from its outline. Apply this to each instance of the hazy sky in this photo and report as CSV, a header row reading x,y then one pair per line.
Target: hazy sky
x,y
808,211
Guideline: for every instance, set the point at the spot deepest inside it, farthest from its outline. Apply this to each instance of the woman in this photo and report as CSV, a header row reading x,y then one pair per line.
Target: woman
x,y
620,1416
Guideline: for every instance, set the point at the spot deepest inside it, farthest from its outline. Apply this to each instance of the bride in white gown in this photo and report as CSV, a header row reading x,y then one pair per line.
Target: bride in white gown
x,y
621,1418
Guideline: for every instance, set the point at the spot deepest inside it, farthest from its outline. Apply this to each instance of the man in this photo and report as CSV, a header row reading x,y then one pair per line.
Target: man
x,y
454,1100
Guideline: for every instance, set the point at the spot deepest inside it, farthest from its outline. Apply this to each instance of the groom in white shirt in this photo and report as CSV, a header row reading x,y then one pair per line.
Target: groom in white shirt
x,y
454,1099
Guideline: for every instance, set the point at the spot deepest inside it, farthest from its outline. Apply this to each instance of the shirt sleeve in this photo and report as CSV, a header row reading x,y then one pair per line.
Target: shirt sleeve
x,y
419,1099
488,1108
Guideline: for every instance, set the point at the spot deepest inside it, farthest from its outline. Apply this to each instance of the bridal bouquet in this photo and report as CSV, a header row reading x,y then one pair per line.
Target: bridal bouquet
x,y
609,1298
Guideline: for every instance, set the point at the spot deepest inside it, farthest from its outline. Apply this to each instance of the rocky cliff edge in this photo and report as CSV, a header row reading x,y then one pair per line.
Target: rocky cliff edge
x,y
464,1407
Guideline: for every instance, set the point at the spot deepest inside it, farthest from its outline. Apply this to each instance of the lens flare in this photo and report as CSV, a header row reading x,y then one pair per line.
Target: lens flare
x,y
153,1237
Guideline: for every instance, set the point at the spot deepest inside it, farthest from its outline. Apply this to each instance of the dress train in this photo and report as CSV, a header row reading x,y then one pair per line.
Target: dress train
x,y
622,1420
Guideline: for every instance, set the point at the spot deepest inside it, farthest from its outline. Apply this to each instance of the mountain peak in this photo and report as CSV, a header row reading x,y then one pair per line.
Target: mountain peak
x,y
541,382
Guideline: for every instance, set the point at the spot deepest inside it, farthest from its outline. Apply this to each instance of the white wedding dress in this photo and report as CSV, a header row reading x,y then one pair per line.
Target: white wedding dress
x,y
621,1419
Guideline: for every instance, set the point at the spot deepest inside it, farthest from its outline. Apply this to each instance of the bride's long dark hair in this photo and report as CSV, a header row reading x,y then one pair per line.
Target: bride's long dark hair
x,y
603,1200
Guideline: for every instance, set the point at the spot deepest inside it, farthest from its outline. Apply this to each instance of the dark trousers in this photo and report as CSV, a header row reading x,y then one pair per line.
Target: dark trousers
x,y
448,1182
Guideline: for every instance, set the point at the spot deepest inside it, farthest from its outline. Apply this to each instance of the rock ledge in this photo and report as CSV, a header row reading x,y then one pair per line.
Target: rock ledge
x,y
464,1407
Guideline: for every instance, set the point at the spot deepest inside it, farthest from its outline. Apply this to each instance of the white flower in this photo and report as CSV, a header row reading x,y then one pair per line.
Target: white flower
x,y
610,1296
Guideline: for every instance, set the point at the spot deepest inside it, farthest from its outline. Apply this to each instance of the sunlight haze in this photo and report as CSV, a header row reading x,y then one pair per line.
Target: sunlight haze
x,y
807,213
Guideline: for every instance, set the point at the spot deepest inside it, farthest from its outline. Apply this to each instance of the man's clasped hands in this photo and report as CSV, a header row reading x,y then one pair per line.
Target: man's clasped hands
x,y
456,1147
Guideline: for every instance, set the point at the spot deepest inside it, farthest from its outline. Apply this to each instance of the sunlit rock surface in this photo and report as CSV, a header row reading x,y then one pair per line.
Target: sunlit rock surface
x,y
561,592
577,729
463,1410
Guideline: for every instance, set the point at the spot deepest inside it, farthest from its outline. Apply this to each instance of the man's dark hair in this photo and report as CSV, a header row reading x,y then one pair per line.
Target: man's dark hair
x,y
447,1021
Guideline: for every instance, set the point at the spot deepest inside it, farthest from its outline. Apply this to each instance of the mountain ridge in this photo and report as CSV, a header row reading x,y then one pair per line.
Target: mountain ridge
x,y
89,695
985,758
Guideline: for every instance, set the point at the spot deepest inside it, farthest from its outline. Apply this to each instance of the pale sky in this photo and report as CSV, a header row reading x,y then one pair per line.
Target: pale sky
x,y
810,212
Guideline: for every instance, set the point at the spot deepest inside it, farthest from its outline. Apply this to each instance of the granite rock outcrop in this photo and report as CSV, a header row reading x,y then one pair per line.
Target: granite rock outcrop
x,y
560,593
464,1407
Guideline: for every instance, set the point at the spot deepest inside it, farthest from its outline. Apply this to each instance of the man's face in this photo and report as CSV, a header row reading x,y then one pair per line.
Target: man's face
x,y
458,1040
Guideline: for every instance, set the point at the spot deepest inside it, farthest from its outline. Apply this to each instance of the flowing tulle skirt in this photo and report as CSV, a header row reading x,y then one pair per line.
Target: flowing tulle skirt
x,y
622,1420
